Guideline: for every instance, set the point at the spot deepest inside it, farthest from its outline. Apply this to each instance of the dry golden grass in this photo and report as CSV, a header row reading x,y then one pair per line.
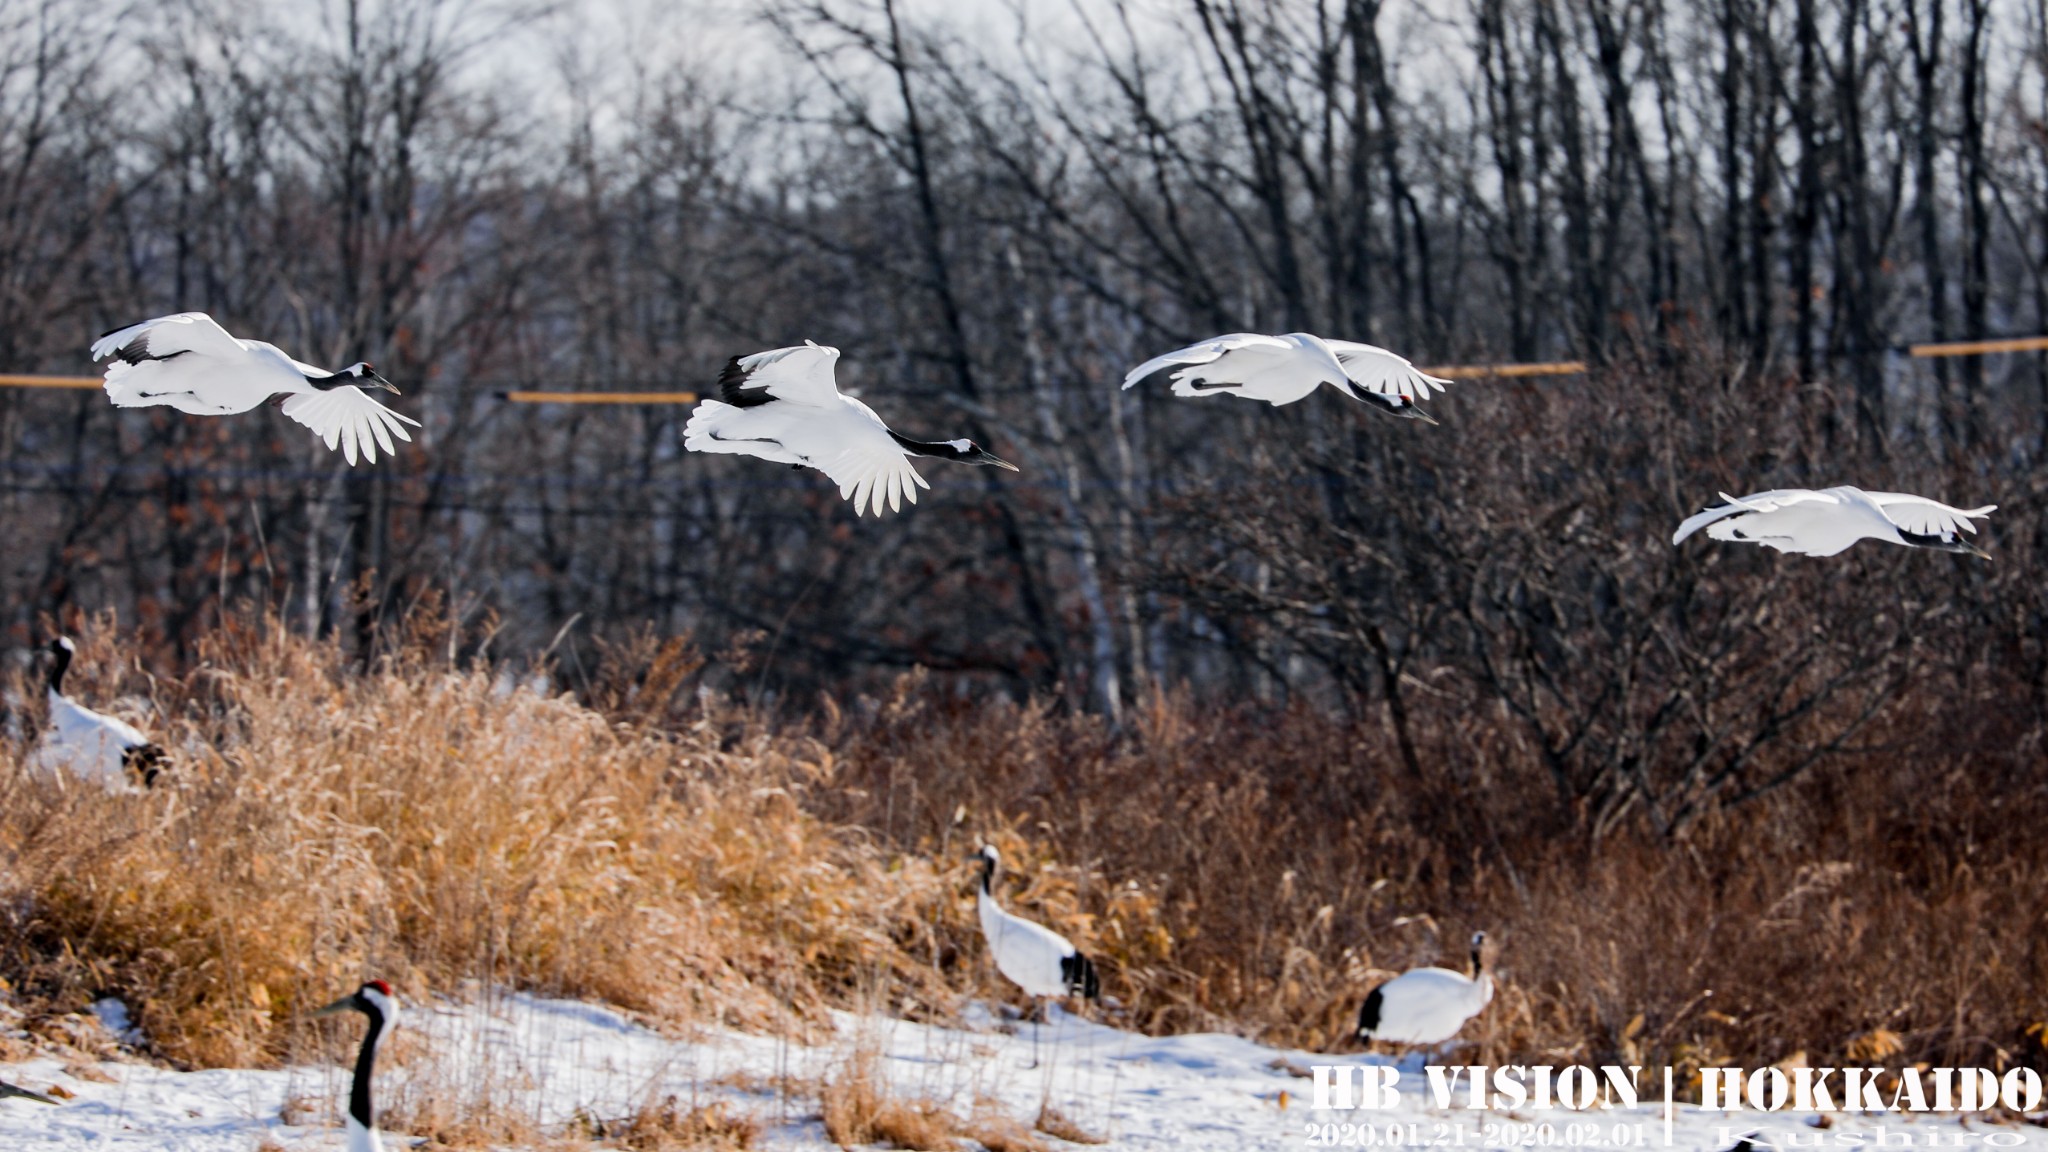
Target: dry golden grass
x,y
680,857
1053,1122
860,1108
668,1126
1233,868
997,1131
428,824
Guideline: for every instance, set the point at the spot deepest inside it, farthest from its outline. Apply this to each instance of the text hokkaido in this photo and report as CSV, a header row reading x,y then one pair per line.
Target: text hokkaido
x,y
1478,1086
1869,1089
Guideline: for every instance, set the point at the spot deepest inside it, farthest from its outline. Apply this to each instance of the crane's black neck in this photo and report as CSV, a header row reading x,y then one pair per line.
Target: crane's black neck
x,y
1933,540
1478,965
60,662
942,449
988,876
330,381
366,1060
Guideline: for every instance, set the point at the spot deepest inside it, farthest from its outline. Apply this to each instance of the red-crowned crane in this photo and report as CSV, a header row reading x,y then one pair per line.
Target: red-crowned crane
x,y
380,1007
785,405
1427,1005
191,363
1283,369
1828,521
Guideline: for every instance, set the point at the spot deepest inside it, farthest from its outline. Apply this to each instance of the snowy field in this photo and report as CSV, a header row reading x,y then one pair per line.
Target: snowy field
x,y
553,1061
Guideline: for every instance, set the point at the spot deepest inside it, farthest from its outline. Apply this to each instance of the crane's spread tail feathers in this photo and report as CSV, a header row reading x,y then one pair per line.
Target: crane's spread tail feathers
x,y
1722,519
124,389
1189,382
145,385
716,426
1078,972
1184,356
145,762
1369,1014
700,434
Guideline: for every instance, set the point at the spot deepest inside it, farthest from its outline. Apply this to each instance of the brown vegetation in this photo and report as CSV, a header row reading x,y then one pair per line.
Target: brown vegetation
x,y
431,824
1262,704
1264,869
860,1107
1238,868
668,1126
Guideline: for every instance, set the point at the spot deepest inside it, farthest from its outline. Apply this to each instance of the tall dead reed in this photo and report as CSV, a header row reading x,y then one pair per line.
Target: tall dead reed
x,y
432,824
1258,870
1235,868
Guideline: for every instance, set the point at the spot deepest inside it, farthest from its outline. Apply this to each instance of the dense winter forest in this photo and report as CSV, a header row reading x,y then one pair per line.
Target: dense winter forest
x,y
1738,213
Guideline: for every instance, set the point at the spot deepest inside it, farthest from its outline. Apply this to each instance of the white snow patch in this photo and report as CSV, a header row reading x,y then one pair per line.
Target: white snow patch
x,y
113,1016
555,1060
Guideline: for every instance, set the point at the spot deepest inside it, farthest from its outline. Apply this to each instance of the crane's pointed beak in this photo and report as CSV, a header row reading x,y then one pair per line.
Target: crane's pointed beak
x,y
386,385
345,1004
1414,413
1972,549
979,455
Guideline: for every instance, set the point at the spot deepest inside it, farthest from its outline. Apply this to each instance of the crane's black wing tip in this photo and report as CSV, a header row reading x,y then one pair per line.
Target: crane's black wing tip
x,y
732,387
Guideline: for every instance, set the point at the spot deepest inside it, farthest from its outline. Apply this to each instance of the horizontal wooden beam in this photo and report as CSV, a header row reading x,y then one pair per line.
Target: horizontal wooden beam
x,y
1472,371
1981,347
600,397
50,382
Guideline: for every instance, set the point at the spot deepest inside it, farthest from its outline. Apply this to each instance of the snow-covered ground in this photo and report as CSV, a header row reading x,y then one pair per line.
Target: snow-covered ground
x,y
551,1061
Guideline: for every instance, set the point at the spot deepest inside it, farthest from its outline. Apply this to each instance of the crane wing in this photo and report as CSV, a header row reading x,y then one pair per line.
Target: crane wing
x,y
800,375
166,337
869,473
1924,517
1381,371
1761,502
348,417
1211,351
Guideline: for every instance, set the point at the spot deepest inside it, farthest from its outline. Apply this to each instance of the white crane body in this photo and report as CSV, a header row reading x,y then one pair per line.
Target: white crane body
x,y
190,363
1035,958
1828,521
784,405
1283,369
1427,1006
92,745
